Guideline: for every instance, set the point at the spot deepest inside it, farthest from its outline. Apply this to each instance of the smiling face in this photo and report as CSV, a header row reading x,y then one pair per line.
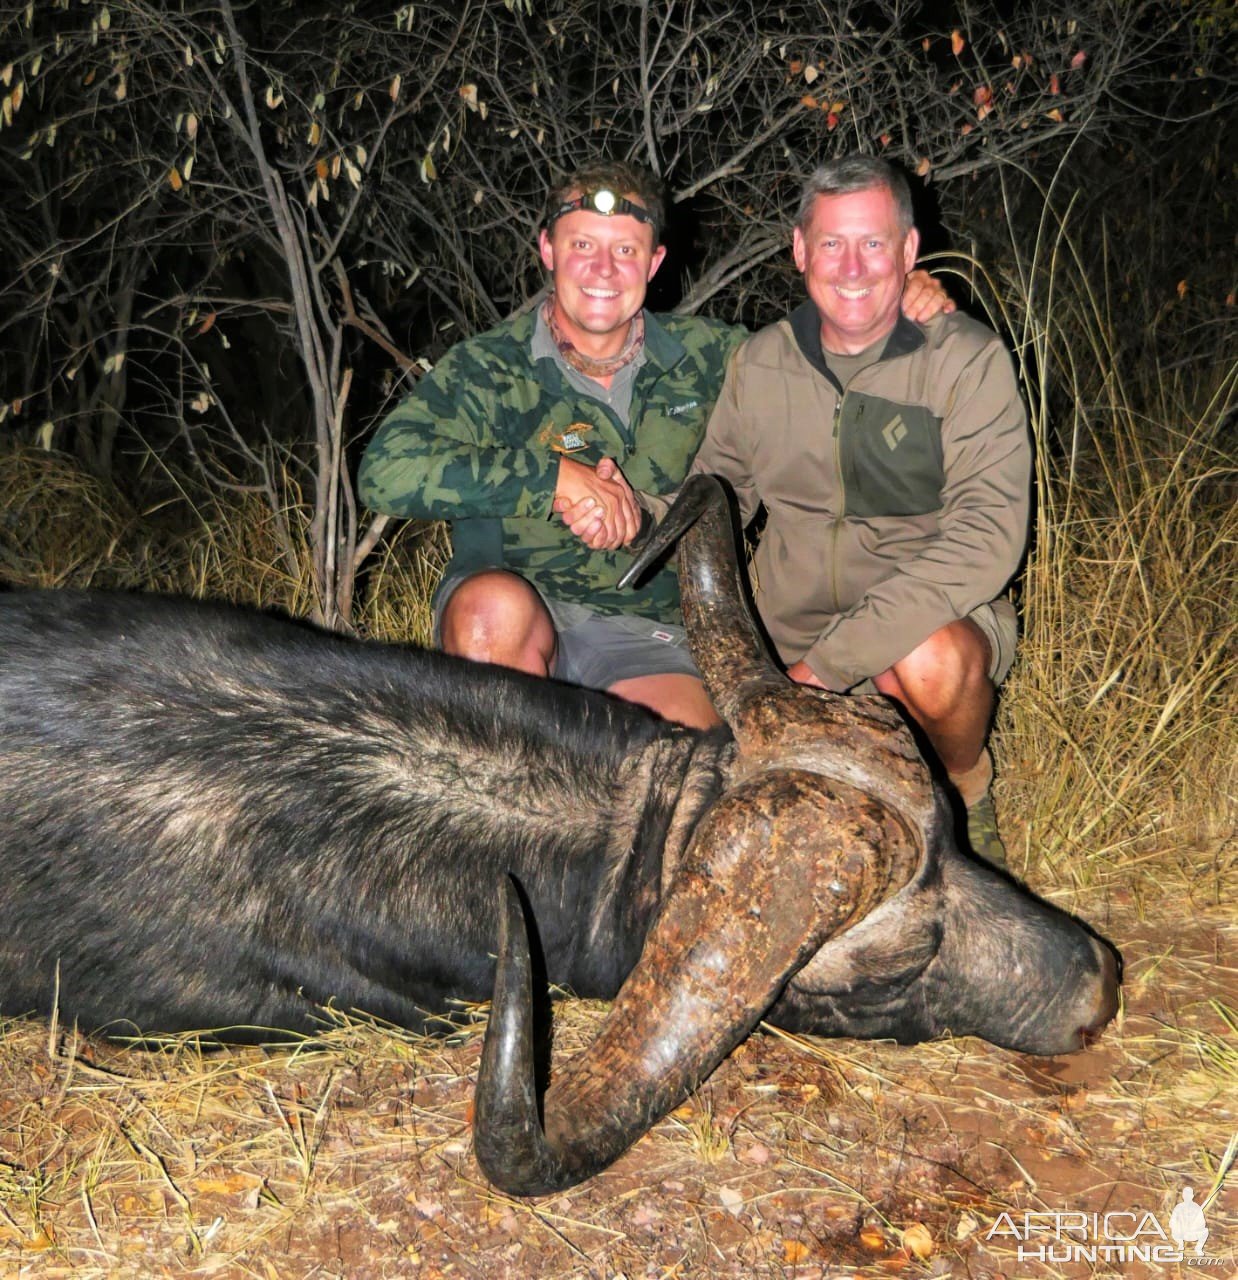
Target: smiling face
x,y
600,267
854,257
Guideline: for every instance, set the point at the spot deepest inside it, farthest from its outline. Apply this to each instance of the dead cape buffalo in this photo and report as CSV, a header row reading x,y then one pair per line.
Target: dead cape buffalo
x,y
211,818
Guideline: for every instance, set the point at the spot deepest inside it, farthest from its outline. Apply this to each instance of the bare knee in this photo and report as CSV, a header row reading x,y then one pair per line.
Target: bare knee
x,y
674,696
496,616
943,673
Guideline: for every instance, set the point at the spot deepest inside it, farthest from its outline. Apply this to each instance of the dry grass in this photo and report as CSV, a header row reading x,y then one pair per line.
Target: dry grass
x,y
1115,735
350,1156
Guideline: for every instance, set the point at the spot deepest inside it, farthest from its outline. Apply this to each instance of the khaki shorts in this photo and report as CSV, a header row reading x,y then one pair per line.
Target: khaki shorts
x,y
597,650
999,624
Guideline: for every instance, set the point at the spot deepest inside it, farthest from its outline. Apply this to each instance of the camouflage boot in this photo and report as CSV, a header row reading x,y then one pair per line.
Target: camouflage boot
x,y
973,789
982,834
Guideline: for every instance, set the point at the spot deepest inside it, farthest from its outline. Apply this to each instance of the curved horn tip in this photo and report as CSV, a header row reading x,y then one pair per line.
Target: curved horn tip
x,y
507,1046
508,1139
694,497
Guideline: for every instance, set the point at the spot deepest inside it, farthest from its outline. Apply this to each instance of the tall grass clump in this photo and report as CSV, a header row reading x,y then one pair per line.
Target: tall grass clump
x,y
61,526
1115,733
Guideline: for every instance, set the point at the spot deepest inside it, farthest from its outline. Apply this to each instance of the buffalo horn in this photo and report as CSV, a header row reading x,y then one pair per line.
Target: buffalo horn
x,y
728,937
729,650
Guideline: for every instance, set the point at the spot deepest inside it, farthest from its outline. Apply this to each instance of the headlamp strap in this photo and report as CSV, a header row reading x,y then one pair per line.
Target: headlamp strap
x,y
607,203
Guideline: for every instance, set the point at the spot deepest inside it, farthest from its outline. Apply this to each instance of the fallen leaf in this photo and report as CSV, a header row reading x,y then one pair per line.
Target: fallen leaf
x,y
957,43
794,1252
871,1238
918,1240
235,1182
1078,60
732,1200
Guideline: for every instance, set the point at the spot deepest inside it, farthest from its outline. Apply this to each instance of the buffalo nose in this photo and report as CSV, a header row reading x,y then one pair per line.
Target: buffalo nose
x,y
1106,995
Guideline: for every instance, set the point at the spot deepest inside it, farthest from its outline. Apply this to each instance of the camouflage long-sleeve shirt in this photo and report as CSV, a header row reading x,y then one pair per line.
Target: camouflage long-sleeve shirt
x,y
479,440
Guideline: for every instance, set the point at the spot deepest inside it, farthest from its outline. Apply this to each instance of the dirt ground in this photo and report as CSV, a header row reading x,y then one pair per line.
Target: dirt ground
x,y
798,1158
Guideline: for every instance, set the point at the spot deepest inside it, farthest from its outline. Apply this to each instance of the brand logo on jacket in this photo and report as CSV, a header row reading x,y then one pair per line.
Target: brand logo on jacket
x,y
894,432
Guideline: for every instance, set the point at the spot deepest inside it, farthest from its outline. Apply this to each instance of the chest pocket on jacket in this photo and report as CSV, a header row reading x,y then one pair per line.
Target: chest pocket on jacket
x,y
890,456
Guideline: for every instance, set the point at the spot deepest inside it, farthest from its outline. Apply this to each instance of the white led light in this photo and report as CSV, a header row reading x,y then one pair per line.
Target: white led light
x,y
604,201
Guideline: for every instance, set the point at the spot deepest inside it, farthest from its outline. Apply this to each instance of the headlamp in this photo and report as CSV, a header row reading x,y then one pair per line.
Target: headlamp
x,y
608,204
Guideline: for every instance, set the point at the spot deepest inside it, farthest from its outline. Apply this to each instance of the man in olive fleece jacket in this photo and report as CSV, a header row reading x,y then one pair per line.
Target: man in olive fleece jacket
x,y
894,464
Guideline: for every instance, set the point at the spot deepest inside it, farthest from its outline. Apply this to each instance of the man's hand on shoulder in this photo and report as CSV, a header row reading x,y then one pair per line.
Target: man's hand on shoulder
x,y
924,296
597,503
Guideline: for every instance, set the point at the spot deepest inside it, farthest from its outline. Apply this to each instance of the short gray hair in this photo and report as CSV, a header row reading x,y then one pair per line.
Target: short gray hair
x,y
848,174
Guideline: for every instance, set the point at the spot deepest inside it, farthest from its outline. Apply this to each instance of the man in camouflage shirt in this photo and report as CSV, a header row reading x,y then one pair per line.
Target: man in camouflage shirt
x,y
519,416
563,410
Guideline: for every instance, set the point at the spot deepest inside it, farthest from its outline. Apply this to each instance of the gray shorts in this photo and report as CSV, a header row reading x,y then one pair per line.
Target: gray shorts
x,y
999,623
597,650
